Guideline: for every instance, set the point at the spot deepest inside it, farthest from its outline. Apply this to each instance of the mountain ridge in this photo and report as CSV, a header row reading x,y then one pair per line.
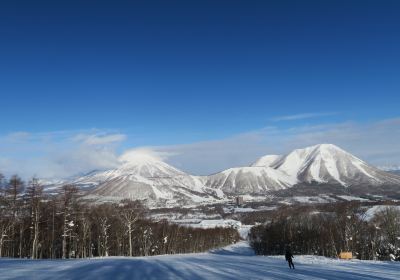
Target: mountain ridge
x,y
145,177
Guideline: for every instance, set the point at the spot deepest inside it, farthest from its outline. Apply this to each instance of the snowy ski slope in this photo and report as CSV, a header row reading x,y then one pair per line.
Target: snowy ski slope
x,y
233,262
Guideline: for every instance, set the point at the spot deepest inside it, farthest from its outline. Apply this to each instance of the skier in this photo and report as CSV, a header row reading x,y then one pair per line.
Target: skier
x,y
289,257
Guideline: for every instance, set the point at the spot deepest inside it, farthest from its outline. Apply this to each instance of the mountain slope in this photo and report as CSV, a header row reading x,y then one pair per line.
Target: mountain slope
x,y
267,160
249,180
328,163
150,179
145,177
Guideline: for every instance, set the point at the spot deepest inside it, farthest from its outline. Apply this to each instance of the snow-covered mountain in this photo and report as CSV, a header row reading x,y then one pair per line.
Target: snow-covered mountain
x,y
327,163
267,160
249,180
392,167
320,164
147,178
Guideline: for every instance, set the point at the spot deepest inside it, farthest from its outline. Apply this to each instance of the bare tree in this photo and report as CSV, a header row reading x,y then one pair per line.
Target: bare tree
x,y
38,225
131,211
13,191
6,220
34,193
68,195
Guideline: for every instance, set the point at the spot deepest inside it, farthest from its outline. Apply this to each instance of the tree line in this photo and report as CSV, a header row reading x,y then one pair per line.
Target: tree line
x,y
34,224
342,229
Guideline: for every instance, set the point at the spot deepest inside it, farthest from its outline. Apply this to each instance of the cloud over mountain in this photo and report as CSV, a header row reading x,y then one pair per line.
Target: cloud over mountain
x,y
65,153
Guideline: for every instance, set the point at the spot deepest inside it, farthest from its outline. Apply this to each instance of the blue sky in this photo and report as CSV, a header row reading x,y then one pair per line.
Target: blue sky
x,y
167,73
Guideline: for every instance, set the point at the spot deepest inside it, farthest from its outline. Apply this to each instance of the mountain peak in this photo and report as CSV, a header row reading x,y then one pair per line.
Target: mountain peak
x,y
267,160
142,174
139,157
321,148
325,163
329,147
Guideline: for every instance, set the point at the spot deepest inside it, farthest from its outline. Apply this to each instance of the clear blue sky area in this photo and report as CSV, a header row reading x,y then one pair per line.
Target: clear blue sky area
x,y
177,71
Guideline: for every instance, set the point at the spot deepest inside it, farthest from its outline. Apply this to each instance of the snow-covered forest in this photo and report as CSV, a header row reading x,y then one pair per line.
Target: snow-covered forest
x,y
339,227
36,225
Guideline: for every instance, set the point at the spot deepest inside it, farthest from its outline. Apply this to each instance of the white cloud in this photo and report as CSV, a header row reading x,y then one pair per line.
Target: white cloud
x,y
62,154
58,154
18,136
302,116
144,153
377,143
95,139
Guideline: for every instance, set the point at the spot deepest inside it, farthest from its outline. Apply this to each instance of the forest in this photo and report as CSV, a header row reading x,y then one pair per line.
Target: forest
x,y
35,224
333,229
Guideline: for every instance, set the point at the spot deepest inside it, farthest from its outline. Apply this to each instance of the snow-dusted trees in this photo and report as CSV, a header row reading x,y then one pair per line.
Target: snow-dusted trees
x,y
6,219
84,233
35,224
13,191
68,199
105,215
387,223
329,232
130,212
34,197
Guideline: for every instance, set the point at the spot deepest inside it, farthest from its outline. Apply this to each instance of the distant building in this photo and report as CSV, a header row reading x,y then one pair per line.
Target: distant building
x,y
239,201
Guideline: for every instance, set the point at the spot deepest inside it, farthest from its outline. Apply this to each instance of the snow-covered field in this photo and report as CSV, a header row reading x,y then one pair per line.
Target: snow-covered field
x,y
233,262
371,212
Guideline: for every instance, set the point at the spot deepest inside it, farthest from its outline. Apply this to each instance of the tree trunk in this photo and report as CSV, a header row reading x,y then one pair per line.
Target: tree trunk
x,y
1,243
130,239
64,241
35,236
20,241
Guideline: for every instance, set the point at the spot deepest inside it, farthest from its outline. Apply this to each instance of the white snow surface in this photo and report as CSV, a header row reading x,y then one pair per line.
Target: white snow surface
x,y
352,198
147,178
200,223
371,212
233,262
267,160
249,180
327,163
307,199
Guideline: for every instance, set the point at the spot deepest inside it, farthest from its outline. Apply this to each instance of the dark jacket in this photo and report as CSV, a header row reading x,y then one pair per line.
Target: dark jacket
x,y
288,255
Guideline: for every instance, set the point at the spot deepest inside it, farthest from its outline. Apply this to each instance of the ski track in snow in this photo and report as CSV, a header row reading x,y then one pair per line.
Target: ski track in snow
x,y
233,262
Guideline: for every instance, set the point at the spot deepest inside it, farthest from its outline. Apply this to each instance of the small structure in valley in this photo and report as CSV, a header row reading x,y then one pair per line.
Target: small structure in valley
x,y
239,201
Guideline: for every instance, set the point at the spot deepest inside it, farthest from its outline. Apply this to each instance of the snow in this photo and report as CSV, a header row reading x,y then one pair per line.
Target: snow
x,y
392,167
233,262
267,160
243,210
249,180
360,164
371,212
145,177
244,231
306,199
350,198
232,209
324,163
198,223
220,223
141,174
